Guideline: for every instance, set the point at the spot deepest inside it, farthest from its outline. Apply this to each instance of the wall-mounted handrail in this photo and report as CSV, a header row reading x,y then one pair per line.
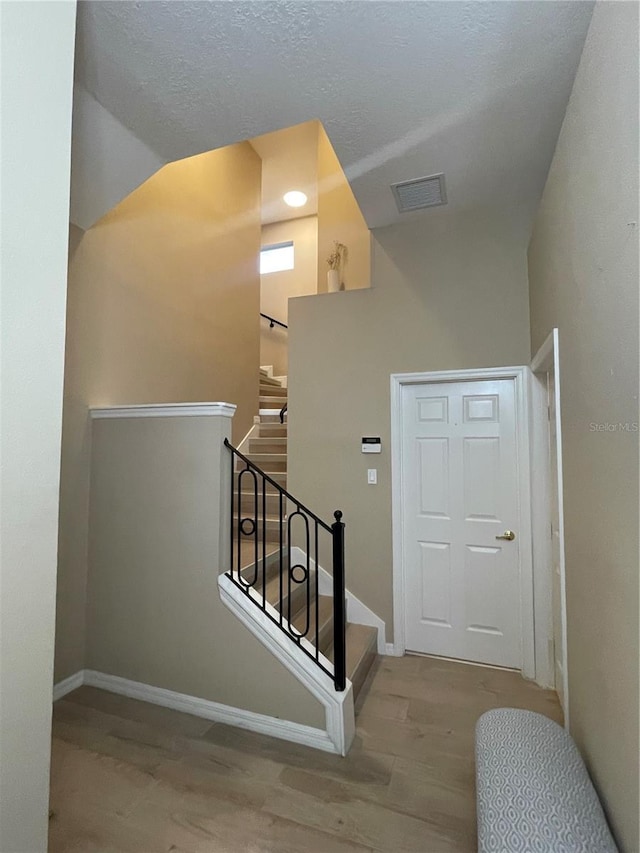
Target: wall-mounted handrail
x,y
273,322
248,527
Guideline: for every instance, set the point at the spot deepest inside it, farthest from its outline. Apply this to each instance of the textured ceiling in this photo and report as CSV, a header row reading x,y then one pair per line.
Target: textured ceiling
x,y
404,89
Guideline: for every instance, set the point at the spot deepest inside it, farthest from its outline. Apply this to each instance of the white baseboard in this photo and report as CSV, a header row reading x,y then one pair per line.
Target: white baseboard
x,y
357,611
392,651
209,710
67,685
205,708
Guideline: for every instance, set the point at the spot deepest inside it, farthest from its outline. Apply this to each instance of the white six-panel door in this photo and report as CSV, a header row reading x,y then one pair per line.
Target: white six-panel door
x,y
460,492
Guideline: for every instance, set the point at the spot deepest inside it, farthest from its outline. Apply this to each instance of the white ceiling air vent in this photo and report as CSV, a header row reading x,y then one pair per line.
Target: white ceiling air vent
x,y
419,193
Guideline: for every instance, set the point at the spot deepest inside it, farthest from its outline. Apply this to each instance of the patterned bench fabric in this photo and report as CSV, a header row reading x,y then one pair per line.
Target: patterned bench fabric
x,y
534,792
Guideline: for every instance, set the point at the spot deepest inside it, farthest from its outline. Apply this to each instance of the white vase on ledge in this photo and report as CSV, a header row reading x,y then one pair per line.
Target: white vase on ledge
x,y
333,281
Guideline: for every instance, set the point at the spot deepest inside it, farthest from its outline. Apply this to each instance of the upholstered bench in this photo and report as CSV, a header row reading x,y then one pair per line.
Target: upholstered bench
x,y
534,792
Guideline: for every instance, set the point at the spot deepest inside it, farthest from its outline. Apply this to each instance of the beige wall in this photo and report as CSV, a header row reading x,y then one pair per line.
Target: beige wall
x,y
277,288
156,550
37,79
447,293
171,275
339,218
583,269
163,307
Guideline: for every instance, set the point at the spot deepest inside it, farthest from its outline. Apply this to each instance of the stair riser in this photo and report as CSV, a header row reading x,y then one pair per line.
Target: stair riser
x,y
298,598
272,391
248,561
247,504
267,445
269,382
273,568
325,633
271,465
268,420
271,528
273,430
361,671
272,585
278,477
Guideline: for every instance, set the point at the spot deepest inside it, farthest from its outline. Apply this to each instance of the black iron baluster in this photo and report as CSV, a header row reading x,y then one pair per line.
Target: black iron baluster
x,y
299,574
339,610
233,491
316,591
256,561
280,529
244,526
248,526
289,517
238,533
264,544
307,580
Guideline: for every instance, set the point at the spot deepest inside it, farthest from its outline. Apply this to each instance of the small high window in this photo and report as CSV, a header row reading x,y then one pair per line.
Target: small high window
x,y
276,258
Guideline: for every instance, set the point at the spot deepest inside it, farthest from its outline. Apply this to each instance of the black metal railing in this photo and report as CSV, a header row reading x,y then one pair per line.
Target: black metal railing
x,y
261,561
273,322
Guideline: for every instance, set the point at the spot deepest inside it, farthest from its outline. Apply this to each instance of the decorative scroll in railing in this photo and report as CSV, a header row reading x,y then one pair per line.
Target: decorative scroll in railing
x,y
261,560
273,322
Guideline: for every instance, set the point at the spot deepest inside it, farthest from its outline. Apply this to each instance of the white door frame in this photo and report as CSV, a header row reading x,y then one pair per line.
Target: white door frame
x,y
520,377
547,360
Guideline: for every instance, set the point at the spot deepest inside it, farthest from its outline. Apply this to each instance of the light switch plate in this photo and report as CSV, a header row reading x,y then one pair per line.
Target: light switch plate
x,y
372,476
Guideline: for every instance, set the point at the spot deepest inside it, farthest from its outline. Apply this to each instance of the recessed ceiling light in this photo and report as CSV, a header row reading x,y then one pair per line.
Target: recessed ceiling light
x,y
295,198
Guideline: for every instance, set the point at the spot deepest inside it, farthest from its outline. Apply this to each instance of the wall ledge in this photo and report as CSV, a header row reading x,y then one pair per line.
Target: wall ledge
x,y
164,410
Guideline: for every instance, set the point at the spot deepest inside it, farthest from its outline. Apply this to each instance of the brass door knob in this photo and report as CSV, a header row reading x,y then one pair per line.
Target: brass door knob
x,y
508,534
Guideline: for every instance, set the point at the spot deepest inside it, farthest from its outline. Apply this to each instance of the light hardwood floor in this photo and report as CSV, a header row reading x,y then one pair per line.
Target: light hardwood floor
x,y
135,778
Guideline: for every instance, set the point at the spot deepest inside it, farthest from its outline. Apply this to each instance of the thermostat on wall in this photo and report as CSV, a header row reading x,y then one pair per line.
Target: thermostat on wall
x,y
371,444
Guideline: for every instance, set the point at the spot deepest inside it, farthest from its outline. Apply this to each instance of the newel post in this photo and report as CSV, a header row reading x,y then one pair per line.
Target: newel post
x,y
339,606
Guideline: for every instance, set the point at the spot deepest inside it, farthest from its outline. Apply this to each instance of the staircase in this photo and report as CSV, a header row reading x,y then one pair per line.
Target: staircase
x,y
260,560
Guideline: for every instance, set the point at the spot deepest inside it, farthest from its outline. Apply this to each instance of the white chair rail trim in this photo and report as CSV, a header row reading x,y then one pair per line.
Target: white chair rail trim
x,y
164,410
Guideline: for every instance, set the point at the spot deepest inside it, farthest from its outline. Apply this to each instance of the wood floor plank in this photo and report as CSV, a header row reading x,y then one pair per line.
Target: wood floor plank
x,y
360,821
387,707
135,778
363,766
193,828
142,712
81,779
